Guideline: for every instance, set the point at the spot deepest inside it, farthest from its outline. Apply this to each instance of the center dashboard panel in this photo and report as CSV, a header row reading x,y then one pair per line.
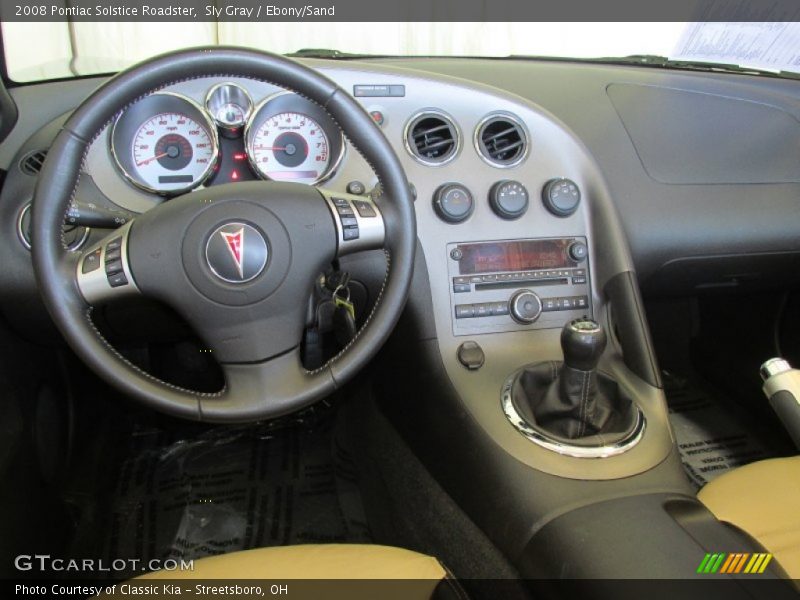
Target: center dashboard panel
x,y
495,178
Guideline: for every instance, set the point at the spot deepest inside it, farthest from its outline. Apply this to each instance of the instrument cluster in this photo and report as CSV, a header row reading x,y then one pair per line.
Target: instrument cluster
x,y
168,144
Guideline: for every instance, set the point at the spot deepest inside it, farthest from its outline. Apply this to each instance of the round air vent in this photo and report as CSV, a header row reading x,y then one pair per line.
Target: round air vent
x,y
32,162
501,140
432,138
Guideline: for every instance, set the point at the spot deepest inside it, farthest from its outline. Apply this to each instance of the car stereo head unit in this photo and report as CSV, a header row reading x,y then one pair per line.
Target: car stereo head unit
x,y
518,284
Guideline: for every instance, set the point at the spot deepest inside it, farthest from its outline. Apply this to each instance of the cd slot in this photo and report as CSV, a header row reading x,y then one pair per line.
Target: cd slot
x,y
504,285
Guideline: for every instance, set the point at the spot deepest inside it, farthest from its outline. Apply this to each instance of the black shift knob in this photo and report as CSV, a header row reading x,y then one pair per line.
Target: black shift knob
x,y
583,342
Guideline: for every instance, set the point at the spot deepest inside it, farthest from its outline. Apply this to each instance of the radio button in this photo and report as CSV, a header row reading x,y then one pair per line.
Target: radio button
x,y
483,310
499,309
476,279
465,311
578,251
460,288
579,280
582,302
460,279
549,304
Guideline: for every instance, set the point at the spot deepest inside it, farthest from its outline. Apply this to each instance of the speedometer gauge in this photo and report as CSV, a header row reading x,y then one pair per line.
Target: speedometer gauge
x,y
171,150
290,146
289,138
165,143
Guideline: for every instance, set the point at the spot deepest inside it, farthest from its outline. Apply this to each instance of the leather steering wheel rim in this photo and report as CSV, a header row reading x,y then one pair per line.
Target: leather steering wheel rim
x,y
251,392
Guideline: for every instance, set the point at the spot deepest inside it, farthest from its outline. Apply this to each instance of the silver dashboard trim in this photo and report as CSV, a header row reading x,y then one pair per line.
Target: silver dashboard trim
x,y
555,445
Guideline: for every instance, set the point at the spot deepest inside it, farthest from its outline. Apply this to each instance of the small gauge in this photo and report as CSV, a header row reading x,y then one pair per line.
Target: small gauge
x,y
230,106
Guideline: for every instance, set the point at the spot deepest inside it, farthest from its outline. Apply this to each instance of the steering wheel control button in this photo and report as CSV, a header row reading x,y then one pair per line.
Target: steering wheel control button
x,y
561,197
453,203
525,307
356,188
578,251
117,280
347,218
113,267
471,355
508,199
364,209
237,252
91,262
115,254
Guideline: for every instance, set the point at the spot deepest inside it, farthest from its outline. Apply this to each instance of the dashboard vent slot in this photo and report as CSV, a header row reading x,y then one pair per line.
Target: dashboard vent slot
x,y
432,138
502,141
32,163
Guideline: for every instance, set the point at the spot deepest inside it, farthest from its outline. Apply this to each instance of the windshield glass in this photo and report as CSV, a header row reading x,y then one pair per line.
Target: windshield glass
x,y
67,49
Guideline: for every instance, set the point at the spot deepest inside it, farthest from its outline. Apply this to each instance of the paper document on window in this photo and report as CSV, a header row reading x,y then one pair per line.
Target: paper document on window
x,y
768,45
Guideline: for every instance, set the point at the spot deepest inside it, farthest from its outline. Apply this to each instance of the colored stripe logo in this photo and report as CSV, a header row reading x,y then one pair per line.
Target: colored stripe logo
x,y
735,562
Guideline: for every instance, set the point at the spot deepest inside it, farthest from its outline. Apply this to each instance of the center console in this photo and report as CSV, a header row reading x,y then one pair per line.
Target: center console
x,y
522,373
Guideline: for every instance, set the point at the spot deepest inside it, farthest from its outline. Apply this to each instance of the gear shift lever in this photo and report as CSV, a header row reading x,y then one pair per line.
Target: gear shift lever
x,y
573,400
583,342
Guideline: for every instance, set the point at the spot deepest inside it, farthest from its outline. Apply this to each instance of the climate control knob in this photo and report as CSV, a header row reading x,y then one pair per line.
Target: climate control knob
x,y
508,199
453,202
525,307
561,197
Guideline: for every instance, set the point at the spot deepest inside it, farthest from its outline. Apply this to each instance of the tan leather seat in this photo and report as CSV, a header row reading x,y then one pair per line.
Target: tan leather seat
x,y
413,575
762,499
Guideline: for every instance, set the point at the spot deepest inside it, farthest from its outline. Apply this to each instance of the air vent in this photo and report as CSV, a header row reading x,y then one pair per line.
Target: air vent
x,y
502,141
432,138
32,163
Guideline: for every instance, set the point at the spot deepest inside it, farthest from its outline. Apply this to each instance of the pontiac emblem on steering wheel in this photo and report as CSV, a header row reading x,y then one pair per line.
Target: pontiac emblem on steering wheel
x,y
236,252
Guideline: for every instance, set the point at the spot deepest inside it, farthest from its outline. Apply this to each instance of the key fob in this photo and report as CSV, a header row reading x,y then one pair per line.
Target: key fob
x,y
344,324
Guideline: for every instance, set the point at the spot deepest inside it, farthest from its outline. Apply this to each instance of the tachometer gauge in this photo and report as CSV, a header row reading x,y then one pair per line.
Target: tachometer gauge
x,y
290,146
165,144
291,139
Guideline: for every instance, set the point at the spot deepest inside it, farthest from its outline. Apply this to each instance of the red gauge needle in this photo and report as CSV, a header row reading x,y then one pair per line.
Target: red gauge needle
x,y
152,158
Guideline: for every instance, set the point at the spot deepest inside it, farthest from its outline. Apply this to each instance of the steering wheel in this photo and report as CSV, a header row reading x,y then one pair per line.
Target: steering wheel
x,y
276,238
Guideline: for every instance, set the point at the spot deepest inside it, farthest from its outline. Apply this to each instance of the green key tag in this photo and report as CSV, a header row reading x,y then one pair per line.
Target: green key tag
x,y
344,302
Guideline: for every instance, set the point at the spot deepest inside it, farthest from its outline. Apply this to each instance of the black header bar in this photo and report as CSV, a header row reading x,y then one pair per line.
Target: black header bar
x,y
399,11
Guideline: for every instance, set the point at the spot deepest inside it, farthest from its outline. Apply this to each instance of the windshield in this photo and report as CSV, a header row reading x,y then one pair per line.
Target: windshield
x,y
68,49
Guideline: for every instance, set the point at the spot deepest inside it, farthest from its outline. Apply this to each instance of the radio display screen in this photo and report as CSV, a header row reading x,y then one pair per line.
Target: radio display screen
x,y
523,255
